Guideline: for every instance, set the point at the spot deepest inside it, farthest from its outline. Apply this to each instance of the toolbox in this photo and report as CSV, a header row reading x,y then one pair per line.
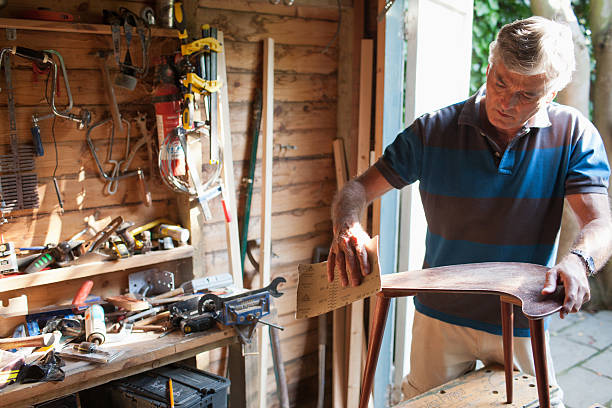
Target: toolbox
x,y
192,388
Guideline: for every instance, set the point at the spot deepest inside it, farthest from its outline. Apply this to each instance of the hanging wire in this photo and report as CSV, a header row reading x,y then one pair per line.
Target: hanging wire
x,y
168,152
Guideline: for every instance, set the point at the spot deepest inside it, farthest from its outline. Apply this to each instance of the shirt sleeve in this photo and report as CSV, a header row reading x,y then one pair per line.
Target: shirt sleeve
x,y
400,164
589,170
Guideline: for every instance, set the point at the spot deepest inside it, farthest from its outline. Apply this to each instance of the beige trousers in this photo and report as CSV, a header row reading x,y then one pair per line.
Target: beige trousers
x,y
442,352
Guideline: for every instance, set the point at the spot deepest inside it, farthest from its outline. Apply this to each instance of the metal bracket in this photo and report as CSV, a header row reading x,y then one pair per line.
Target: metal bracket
x,y
11,34
150,282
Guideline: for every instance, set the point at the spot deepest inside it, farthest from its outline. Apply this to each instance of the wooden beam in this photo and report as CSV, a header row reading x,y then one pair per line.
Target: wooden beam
x,y
365,105
231,227
379,105
266,204
93,268
339,381
356,341
81,28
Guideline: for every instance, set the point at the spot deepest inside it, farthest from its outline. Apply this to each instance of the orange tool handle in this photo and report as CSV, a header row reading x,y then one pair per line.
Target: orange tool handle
x,y
82,293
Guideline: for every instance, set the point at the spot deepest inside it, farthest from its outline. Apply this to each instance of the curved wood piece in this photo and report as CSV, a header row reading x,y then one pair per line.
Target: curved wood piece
x,y
522,281
507,318
538,346
376,336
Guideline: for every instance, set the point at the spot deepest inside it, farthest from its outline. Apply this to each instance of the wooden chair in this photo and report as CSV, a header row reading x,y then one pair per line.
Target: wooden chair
x,y
515,283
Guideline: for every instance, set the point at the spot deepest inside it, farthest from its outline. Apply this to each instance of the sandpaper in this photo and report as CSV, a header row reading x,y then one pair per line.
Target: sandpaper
x,y
315,295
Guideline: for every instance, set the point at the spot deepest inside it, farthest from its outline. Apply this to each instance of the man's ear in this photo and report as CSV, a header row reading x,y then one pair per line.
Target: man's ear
x,y
488,68
551,96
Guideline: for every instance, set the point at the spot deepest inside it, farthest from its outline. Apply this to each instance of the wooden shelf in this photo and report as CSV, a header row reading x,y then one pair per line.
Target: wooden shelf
x,y
83,28
93,268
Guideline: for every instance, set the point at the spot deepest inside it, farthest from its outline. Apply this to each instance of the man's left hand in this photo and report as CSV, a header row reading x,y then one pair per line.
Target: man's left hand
x,y
571,273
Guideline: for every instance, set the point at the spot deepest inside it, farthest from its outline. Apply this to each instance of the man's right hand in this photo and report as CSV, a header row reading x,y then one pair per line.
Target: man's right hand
x,y
348,254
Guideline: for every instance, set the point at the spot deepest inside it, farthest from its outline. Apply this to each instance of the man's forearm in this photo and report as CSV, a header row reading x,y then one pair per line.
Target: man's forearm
x,y
595,239
349,203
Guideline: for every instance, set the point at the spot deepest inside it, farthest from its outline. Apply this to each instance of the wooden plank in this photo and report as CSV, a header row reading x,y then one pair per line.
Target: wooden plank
x,y
324,10
88,193
298,143
76,159
70,27
248,27
289,250
84,13
93,268
62,292
295,171
245,56
365,106
240,362
77,49
232,237
288,116
339,360
30,228
284,225
65,130
289,201
86,84
287,87
267,142
363,143
340,163
379,108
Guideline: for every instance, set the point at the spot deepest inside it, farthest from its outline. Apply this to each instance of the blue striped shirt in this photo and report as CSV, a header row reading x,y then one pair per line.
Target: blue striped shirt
x,y
487,205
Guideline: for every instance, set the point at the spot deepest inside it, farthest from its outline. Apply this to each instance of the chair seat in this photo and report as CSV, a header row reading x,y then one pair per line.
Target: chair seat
x,y
521,281
514,282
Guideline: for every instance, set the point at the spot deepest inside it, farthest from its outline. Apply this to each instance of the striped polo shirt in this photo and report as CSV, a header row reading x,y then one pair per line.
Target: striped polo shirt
x,y
487,205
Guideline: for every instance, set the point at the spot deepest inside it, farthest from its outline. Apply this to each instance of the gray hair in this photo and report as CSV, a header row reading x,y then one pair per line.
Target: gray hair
x,y
535,46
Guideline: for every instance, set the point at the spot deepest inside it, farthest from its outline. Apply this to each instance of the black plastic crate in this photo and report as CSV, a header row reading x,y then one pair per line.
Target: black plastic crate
x,y
192,388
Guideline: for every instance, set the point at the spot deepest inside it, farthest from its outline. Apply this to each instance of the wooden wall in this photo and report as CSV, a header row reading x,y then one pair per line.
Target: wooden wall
x,y
305,121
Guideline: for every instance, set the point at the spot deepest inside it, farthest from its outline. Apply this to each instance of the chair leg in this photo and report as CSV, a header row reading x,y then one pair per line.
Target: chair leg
x,y
507,319
538,345
376,335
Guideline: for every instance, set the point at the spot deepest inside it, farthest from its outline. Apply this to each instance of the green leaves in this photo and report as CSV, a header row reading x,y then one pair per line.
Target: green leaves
x,y
489,17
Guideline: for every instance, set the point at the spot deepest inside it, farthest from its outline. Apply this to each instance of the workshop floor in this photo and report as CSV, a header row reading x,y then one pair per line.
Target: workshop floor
x,y
581,347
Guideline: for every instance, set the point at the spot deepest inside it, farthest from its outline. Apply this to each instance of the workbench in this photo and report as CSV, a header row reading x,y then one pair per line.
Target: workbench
x,y
483,388
141,352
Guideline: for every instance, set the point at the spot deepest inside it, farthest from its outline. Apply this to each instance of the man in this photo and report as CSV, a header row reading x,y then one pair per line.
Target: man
x,y
494,171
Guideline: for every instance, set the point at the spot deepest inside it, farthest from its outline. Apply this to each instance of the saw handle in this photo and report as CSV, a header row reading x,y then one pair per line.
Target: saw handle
x,y
38,56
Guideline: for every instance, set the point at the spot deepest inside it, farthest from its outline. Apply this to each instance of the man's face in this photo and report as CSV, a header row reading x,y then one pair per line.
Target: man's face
x,y
512,99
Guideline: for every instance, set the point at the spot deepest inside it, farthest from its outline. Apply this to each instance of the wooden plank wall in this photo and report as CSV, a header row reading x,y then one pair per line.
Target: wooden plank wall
x,y
304,127
306,64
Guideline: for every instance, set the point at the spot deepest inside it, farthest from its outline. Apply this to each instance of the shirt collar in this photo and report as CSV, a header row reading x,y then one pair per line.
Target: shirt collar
x,y
470,113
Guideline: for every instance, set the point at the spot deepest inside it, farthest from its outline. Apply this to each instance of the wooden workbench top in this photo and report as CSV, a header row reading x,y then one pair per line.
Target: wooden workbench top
x,y
142,352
